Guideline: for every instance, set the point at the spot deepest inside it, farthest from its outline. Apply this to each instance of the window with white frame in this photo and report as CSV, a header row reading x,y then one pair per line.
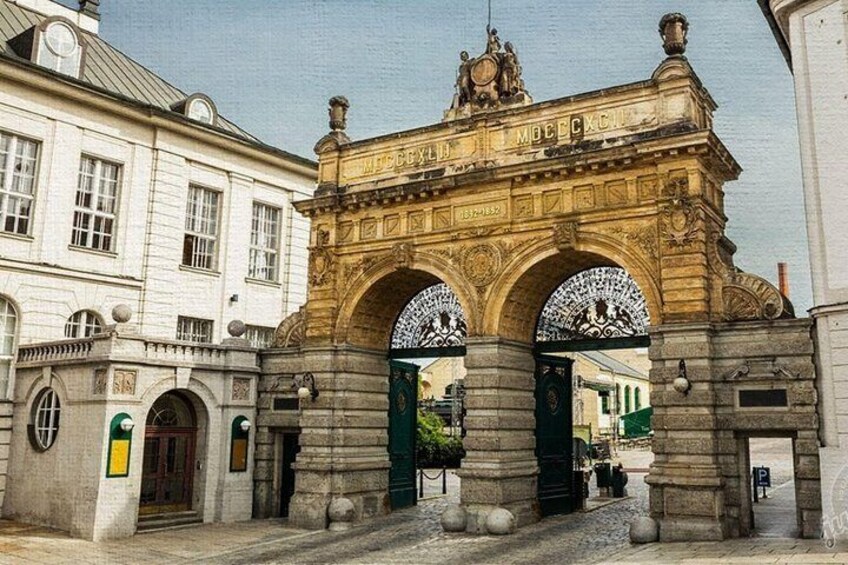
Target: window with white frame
x,y
18,159
194,329
96,201
264,242
259,336
84,323
201,228
8,334
45,419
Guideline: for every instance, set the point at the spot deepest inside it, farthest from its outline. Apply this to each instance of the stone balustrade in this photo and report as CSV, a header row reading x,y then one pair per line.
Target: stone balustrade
x,y
64,350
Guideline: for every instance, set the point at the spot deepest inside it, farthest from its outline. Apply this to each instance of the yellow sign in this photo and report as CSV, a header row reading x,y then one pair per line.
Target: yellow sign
x,y
119,457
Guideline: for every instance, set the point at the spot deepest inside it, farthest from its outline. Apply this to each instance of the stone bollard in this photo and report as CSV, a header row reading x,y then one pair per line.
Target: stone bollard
x,y
500,522
644,530
341,513
454,519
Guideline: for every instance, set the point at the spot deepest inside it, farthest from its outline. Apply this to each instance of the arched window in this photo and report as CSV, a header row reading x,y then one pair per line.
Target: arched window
x,y
618,399
8,335
45,419
637,400
84,323
627,399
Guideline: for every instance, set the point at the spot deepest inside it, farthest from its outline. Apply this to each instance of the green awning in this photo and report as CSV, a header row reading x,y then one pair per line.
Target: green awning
x,y
638,423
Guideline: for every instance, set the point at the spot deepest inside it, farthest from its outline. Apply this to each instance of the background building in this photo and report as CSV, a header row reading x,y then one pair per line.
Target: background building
x,y
118,188
813,35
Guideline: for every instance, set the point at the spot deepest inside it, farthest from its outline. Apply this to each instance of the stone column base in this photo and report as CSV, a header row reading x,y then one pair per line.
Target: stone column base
x,y
309,511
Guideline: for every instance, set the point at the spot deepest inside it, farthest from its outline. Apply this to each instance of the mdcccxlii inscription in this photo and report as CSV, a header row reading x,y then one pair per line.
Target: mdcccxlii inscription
x,y
408,158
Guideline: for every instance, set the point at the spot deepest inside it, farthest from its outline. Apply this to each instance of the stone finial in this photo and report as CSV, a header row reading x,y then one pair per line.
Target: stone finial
x,y
338,113
121,313
90,8
674,28
236,328
644,530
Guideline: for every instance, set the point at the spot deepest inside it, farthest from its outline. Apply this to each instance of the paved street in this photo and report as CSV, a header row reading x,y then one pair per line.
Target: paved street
x,y
414,536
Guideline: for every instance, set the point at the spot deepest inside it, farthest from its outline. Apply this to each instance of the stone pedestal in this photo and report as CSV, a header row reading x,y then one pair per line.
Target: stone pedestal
x,y
344,436
499,469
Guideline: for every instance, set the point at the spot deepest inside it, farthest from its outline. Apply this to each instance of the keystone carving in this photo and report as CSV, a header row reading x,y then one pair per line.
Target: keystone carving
x,y
565,235
402,254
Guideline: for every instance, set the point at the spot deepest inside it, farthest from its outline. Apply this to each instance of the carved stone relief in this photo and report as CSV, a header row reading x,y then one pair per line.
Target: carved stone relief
x,y
565,235
241,389
123,381
292,330
680,223
322,261
101,381
481,263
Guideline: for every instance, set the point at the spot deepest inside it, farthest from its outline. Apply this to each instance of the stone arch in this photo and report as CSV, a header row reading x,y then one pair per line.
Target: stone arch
x,y
370,309
529,280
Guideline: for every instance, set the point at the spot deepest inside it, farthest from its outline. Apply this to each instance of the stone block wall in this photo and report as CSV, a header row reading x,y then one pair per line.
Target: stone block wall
x,y
700,480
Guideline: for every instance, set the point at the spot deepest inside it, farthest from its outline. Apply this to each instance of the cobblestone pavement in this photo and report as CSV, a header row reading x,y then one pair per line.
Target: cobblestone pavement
x,y
411,536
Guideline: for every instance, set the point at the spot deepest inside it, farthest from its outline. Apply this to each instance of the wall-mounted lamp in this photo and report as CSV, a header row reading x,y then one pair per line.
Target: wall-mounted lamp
x,y
127,425
234,298
681,383
305,385
245,425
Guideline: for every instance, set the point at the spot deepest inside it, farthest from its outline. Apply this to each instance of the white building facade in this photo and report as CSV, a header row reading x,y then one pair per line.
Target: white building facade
x,y
813,35
116,188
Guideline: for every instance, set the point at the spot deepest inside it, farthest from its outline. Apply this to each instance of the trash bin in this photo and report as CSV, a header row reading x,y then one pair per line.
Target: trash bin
x,y
578,493
619,480
602,472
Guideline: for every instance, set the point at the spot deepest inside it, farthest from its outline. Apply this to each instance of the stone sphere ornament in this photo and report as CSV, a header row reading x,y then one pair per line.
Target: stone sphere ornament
x,y
644,530
122,313
236,328
500,522
681,385
454,519
341,513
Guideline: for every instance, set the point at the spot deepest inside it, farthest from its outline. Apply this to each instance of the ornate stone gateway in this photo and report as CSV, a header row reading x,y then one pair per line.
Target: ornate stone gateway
x,y
502,203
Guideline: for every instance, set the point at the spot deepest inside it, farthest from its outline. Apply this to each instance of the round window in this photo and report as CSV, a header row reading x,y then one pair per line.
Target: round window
x,y
61,39
200,110
45,419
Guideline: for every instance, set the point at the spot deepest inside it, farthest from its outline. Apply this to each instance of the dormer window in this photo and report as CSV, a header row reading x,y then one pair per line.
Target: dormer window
x,y
55,44
197,107
200,110
59,48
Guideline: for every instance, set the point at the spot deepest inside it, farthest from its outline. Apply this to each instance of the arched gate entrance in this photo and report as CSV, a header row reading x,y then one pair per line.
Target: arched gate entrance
x,y
503,202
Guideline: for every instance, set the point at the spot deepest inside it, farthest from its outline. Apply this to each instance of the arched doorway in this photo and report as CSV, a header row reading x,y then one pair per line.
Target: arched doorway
x,y
170,440
586,318
431,327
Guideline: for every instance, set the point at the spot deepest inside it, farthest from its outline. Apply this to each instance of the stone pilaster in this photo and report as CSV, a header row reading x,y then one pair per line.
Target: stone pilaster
x,y
687,486
344,435
499,469
5,445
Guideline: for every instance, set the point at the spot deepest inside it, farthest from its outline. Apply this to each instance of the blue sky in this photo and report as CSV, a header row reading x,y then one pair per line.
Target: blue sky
x,y
270,66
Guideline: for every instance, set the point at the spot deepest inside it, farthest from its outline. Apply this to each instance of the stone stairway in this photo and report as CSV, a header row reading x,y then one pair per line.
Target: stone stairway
x,y
169,521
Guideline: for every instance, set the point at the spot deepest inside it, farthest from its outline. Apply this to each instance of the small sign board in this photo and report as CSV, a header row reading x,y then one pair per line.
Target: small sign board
x,y
762,476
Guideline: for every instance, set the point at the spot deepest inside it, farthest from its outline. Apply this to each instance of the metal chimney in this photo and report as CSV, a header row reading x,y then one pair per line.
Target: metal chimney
x,y
783,279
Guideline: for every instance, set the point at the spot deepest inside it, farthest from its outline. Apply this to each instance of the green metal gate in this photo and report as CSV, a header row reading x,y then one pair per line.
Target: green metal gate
x,y
403,412
553,435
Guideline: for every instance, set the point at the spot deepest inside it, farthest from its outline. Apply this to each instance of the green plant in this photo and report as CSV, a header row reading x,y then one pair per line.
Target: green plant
x,y
434,447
